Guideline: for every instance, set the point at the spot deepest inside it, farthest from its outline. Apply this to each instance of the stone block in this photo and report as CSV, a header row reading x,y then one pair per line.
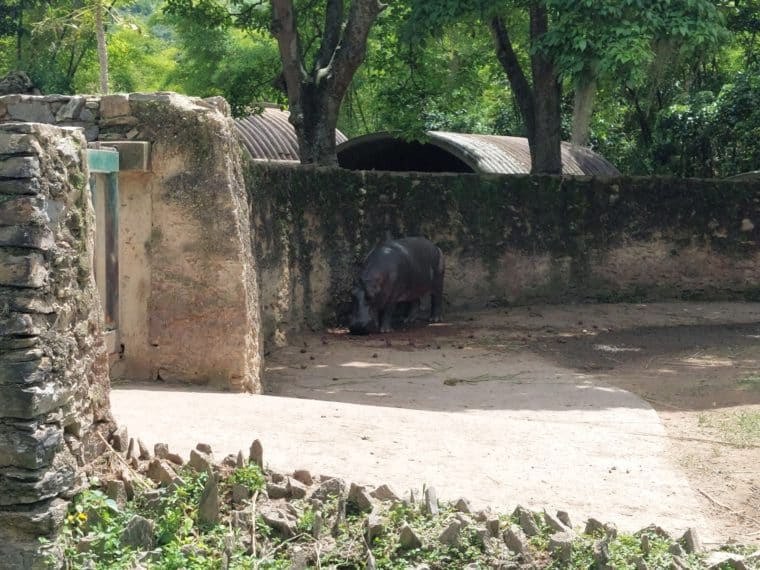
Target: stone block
x,y
16,371
22,486
133,155
30,402
12,143
31,110
29,522
22,270
35,237
115,105
29,449
18,324
20,186
70,110
20,167
22,210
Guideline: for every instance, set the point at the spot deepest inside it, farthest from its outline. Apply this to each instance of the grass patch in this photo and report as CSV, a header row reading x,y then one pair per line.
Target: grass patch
x,y
749,382
738,428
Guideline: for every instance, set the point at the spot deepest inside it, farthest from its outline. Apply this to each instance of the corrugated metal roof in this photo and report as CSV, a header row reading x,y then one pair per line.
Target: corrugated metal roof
x,y
269,136
492,153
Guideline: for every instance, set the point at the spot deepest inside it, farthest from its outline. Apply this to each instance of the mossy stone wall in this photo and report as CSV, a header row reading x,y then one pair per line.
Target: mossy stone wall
x,y
507,239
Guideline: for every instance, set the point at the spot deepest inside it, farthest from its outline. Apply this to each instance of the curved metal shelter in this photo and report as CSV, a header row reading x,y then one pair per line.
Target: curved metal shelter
x,y
460,152
269,136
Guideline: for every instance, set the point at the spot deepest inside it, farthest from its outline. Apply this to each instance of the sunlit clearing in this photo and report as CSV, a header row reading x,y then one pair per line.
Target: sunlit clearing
x,y
610,348
356,364
707,361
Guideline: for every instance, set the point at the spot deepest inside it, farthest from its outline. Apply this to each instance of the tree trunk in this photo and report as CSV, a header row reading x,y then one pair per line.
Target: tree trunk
x,y
546,89
315,96
583,108
102,49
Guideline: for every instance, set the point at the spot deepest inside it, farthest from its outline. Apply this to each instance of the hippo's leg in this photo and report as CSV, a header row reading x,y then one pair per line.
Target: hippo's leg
x,y
385,318
414,309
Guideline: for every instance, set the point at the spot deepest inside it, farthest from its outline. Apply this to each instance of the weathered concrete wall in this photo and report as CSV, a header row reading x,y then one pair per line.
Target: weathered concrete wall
x,y
507,239
53,364
188,296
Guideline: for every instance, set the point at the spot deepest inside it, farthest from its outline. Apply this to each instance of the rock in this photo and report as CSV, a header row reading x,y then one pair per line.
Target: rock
x,y
296,489
175,458
204,448
413,498
462,505
279,519
117,491
450,535
138,533
610,530
516,540
131,449
208,506
359,497
144,451
691,542
340,516
645,545
527,520
483,515
594,526
129,487
330,488
374,526
555,523
277,477
240,493
316,526
719,560
275,491
161,450
256,454
676,550
656,530
492,525
240,460
120,439
241,520
160,472
431,502
561,546
640,563
230,462
303,476
564,518
601,553
200,461
678,563
116,105
408,538
385,493
371,564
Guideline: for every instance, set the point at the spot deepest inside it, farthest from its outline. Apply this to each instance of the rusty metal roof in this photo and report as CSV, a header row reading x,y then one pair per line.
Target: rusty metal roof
x,y
269,136
457,152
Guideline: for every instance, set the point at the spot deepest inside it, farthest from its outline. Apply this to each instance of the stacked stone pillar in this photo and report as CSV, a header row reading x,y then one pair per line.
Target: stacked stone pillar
x,y
53,365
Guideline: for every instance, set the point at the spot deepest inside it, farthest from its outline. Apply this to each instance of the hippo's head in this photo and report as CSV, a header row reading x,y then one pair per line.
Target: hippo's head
x,y
364,315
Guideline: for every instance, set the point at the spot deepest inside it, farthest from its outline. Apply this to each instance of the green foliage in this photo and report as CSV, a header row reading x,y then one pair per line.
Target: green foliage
x,y
250,475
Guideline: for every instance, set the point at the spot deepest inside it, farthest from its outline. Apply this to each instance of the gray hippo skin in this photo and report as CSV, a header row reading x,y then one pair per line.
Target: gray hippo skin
x,y
402,270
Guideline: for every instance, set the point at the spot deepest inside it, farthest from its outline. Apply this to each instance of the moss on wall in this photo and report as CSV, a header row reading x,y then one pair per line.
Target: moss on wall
x,y
304,213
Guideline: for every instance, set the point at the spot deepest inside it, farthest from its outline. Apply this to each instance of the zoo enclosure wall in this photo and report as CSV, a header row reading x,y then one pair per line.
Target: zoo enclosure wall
x,y
506,239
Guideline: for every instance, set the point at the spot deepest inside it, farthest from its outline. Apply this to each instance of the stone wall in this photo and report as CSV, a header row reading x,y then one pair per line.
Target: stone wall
x,y
187,286
53,364
507,239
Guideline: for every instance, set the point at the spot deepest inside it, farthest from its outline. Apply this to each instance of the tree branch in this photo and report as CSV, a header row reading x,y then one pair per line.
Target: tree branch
x,y
520,86
284,30
331,35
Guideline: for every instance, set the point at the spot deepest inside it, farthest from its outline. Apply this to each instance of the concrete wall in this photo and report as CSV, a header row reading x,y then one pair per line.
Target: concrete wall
x,y
53,364
188,296
507,239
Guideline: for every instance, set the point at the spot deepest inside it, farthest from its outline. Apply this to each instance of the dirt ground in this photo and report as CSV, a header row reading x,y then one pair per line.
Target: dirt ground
x,y
631,413
696,364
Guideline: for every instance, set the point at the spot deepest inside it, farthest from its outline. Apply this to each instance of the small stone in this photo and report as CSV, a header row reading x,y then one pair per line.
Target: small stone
x,y
208,506
200,461
330,488
645,544
678,563
610,530
676,550
555,523
161,450
132,449
204,448
655,530
561,546
129,487
691,542
230,462
640,563
483,515
527,520
564,518
720,560
277,477
594,526
462,505
408,538
371,565
303,476
431,502
175,458
385,493
359,497
316,526
160,472
241,520
240,460
117,491
374,526
492,525
256,454
275,491
134,463
120,439
144,451
601,550
515,539
240,493
296,489
450,535
413,498
138,533
340,518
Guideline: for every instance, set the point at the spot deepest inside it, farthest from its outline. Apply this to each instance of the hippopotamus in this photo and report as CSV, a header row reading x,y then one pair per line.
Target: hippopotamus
x,y
402,270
